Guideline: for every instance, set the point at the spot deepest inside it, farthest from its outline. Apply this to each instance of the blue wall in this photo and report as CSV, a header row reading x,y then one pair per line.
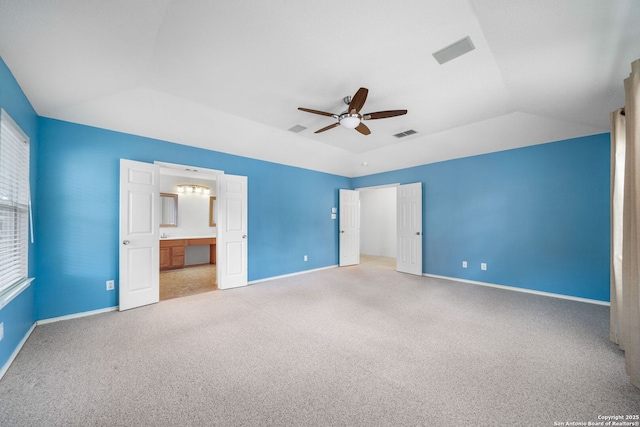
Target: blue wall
x,y
18,315
78,211
538,216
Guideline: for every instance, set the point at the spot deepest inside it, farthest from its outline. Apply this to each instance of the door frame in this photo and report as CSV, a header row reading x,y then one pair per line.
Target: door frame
x,y
186,170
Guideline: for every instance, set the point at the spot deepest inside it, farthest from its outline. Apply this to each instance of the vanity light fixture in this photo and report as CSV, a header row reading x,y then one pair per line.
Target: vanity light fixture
x,y
194,188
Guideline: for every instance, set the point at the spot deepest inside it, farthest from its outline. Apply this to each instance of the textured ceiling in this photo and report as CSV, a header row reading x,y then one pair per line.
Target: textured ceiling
x,y
229,76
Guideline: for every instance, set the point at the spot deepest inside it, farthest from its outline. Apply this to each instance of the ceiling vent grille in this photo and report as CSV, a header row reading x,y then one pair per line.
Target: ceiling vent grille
x,y
297,128
454,50
405,133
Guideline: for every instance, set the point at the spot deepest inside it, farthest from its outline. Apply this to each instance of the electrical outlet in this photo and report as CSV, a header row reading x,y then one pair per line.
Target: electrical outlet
x,y
110,285
464,264
1,330
483,266
305,258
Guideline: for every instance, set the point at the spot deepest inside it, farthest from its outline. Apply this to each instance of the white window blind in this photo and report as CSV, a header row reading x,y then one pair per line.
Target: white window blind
x,y
14,204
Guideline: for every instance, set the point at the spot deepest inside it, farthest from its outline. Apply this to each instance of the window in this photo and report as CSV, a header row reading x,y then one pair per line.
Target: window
x,y
14,208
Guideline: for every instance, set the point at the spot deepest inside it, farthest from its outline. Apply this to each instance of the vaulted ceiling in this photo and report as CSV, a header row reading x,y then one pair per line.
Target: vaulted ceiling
x,y
230,75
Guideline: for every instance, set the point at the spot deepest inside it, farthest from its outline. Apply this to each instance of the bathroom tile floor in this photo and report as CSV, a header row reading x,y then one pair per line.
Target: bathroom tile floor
x,y
187,281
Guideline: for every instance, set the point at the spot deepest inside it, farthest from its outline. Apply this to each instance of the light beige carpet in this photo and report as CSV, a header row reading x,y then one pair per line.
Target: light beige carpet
x,y
353,346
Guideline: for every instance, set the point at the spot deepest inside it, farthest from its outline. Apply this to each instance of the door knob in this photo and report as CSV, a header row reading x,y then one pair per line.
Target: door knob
x,y
244,237
125,242
417,233
342,231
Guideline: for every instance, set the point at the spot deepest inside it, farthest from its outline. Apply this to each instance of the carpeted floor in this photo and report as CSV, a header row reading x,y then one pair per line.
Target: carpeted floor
x,y
186,281
352,346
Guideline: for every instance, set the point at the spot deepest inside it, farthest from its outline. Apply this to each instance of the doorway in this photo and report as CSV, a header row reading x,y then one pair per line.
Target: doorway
x,y
141,207
383,213
187,269
227,212
378,219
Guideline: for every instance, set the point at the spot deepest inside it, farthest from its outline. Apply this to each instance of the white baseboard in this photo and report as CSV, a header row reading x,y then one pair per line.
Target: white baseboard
x,y
5,368
76,315
291,275
526,291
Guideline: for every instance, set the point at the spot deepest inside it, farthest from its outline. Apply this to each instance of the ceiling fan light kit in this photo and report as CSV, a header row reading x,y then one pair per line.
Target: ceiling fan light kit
x,y
349,121
352,119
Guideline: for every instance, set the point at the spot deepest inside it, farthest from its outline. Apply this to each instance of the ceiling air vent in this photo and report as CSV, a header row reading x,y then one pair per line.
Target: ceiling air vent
x,y
297,128
405,133
454,50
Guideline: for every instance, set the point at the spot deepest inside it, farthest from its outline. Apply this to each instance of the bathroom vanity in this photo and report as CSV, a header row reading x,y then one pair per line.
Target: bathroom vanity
x,y
172,251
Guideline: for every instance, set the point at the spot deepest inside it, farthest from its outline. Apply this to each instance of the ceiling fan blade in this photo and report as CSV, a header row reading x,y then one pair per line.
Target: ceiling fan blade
x,y
358,100
363,129
383,114
328,127
322,113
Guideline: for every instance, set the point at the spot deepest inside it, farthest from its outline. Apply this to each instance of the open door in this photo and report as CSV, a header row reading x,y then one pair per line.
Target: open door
x,y
409,250
232,231
349,227
139,234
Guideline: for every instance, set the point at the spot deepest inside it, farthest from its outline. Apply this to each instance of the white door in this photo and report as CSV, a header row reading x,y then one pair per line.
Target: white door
x,y
409,257
139,234
232,231
349,227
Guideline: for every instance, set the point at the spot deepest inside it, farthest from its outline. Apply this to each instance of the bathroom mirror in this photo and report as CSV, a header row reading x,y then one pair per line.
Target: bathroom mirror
x,y
169,208
212,211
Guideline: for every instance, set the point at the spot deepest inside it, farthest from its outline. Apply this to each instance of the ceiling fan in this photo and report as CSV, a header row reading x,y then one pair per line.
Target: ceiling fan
x,y
352,119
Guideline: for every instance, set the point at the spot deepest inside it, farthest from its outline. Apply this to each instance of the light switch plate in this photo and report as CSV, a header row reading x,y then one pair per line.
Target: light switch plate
x,y
334,210
333,216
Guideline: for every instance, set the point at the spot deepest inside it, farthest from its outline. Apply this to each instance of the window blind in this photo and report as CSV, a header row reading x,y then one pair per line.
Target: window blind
x,y
14,203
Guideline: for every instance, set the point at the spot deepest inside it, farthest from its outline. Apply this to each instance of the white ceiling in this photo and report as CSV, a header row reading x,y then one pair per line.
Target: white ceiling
x,y
229,75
